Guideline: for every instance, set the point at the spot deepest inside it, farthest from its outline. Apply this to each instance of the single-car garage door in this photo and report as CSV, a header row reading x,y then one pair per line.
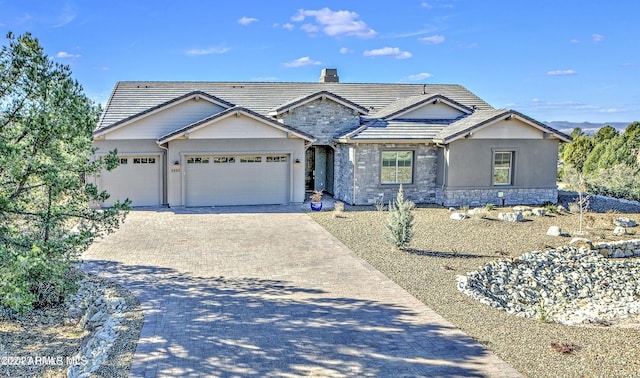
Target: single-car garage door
x,y
136,178
216,180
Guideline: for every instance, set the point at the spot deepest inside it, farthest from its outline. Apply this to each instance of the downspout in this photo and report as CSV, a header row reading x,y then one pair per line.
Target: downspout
x,y
165,166
355,168
445,168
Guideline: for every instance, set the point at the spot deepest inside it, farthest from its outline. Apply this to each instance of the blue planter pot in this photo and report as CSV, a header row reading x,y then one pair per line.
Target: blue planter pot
x,y
316,206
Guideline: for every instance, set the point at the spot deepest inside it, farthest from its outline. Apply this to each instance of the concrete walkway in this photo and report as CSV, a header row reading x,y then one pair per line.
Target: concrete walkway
x,y
265,291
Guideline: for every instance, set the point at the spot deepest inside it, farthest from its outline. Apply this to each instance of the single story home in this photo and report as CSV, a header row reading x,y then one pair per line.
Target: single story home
x,y
249,143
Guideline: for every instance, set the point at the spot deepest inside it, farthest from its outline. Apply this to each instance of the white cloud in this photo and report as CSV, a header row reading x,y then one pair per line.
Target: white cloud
x,y
574,41
336,24
247,20
310,28
388,51
613,110
68,15
432,39
561,73
597,37
419,77
66,55
302,62
288,26
437,5
344,50
208,51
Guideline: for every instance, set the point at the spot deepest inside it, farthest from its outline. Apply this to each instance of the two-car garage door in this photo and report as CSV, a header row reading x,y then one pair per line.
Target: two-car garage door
x,y
217,180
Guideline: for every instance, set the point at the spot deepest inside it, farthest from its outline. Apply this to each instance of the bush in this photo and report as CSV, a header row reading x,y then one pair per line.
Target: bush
x,y
619,182
400,220
28,278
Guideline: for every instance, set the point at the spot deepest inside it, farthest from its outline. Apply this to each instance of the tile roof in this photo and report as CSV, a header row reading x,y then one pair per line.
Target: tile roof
x,y
129,99
322,94
480,118
405,104
236,109
405,130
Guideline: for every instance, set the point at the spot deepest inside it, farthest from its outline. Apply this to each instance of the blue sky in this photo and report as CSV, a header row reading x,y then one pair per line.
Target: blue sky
x,y
552,60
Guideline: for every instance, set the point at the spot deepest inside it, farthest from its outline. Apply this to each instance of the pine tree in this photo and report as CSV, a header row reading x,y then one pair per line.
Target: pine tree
x,y
400,220
46,125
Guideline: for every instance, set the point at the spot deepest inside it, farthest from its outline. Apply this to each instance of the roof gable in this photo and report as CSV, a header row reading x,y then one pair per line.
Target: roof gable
x,y
433,106
322,95
173,103
479,120
237,111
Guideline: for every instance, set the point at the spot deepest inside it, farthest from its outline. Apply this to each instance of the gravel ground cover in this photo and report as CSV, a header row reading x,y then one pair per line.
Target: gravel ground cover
x,y
444,248
38,344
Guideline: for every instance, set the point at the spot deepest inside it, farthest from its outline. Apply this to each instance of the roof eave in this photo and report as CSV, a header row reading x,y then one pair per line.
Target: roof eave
x,y
385,140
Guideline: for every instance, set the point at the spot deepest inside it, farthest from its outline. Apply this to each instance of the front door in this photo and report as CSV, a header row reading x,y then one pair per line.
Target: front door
x,y
310,169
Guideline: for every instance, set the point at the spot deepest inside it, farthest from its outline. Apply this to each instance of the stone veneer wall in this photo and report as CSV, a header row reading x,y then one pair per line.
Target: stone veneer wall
x,y
361,186
343,173
324,119
619,249
480,197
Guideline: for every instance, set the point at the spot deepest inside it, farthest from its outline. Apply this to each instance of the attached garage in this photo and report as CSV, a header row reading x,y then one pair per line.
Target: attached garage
x,y
138,178
218,180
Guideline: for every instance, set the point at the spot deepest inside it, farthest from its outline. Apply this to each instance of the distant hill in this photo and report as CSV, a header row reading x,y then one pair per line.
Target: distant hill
x,y
588,127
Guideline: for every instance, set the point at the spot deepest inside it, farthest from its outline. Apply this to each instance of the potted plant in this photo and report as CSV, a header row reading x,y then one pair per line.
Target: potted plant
x,y
316,200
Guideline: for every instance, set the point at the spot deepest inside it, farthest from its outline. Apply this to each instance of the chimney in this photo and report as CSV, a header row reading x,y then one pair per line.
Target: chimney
x,y
329,75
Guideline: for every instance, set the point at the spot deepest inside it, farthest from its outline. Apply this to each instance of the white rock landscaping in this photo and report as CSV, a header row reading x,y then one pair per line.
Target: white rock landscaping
x,y
511,217
554,231
566,285
458,216
97,310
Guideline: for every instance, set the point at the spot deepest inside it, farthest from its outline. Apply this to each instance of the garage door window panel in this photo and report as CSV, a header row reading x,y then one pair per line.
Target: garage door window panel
x,y
198,160
251,159
224,159
276,159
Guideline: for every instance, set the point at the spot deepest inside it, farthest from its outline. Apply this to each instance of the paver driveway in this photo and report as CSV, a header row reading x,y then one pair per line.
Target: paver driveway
x,y
266,291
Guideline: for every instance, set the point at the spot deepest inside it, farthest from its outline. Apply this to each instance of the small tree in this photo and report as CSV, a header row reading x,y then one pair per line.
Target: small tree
x,y
400,220
576,181
46,150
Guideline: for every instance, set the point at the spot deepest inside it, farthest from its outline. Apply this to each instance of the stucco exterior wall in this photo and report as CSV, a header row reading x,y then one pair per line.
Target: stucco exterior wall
x,y
470,163
323,119
468,176
365,160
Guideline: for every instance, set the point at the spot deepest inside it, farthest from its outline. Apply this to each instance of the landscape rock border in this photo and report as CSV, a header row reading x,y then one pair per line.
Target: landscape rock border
x,y
567,285
114,317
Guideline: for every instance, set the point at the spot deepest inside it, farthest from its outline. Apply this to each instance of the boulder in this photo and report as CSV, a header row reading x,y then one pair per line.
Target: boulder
x,y
458,216
624,222
581,243
539,212
511,217
521,208
619,231
554,231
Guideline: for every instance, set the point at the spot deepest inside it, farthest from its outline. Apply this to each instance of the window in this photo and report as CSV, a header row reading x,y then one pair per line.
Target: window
x,y
397,167
223,159
124,160
198,160
502,167
145,160
276,159
251,159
